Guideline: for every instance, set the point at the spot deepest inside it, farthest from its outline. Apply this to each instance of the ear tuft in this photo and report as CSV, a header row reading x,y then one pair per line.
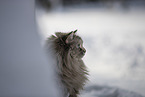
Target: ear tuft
x,y
75,31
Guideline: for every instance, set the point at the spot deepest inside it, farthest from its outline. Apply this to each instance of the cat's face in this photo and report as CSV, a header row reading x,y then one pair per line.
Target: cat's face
x,y
77,49
76,45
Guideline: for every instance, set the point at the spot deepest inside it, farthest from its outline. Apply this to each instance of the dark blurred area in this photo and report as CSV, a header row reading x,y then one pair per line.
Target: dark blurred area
x,y
55,4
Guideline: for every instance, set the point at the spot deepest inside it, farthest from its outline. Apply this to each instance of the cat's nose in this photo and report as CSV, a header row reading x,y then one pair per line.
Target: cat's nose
x,y
84,50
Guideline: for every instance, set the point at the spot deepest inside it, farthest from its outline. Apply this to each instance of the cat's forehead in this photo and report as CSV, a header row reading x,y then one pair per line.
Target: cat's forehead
x,y
78,39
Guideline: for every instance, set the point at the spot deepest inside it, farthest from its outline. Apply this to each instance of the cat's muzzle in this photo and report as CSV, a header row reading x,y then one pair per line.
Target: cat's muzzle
x,y
83,51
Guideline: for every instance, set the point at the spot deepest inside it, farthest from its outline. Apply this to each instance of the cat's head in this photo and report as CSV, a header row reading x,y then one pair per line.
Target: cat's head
x,y
73,43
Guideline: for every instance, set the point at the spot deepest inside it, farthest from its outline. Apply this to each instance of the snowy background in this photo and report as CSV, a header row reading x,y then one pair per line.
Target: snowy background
x,y
114,39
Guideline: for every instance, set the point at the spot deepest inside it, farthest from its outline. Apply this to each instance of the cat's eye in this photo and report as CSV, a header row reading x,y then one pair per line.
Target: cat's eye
x,y
78,45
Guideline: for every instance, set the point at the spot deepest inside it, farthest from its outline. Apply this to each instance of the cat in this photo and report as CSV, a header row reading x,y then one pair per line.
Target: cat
x,y
71,70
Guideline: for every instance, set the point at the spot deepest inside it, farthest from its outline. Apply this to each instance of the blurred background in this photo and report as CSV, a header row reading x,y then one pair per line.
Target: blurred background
x,y
113,32
24,68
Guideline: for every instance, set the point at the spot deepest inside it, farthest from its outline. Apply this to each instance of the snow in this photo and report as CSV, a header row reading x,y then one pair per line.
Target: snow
x,y
114,39
105,91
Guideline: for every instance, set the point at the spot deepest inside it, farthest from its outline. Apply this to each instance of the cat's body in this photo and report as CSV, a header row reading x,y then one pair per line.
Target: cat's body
x,y
68,50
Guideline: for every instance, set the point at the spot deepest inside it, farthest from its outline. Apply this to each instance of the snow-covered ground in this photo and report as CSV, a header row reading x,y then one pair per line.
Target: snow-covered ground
x,y
105,91
115,45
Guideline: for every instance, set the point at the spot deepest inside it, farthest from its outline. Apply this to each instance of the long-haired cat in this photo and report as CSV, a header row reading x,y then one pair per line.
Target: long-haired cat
x,y
68,50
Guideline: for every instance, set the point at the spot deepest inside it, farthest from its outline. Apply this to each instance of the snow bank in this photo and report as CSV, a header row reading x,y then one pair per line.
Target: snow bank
x,y
105,91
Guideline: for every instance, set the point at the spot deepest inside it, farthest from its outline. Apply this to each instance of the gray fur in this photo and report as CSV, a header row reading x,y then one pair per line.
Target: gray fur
x,y
68,49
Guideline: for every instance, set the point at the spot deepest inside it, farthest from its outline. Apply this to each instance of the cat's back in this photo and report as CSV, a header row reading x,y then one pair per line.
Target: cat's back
x,y
52,60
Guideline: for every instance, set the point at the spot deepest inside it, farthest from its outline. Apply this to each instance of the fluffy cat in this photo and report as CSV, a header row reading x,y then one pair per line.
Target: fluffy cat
x,y
68,50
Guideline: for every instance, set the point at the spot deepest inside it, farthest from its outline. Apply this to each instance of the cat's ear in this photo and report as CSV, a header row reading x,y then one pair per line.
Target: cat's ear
x,y
75,31
69,37
58,34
